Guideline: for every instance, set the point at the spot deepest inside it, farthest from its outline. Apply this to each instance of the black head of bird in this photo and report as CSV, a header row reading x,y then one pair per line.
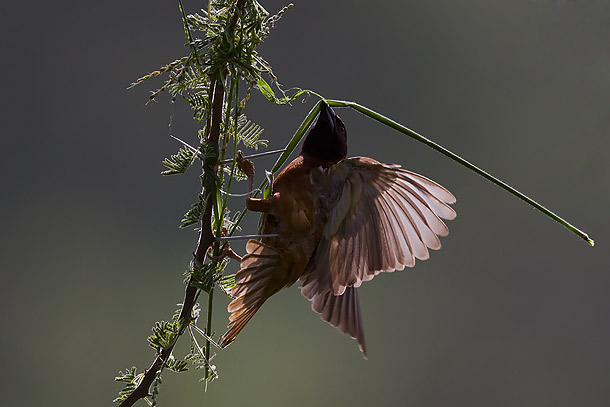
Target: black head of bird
x,y
327,139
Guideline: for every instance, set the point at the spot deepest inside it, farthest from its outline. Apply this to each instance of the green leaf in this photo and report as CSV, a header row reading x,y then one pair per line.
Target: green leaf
x,y
164,335
227,283
206,276
131,380
176,365
268,93
193,216
266,90
238,174
249,133
179,162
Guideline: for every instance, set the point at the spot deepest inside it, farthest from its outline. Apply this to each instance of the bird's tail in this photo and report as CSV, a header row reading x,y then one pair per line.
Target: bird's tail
x,y
341,311
260,276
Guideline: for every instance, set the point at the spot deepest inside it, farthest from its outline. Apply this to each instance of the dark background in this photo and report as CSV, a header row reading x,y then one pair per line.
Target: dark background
x,y
513,311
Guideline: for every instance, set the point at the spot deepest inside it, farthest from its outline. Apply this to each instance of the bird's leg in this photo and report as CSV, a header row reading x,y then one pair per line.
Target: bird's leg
x,y
227,251
230,253
266,205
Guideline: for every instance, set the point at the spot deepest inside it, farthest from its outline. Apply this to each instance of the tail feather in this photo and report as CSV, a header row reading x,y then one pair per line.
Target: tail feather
x,y
341,311
256,281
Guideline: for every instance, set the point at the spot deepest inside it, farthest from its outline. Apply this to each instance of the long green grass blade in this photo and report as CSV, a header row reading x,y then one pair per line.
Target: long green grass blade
x,y
397,126
296,138
292,144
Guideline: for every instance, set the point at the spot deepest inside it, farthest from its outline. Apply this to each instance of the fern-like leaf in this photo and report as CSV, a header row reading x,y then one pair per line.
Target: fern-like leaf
x,y
227,283
233,222
199,102
155,390
183,82
238,174
207,275
176,365
193,215
164,335
179,163
131,379
249,133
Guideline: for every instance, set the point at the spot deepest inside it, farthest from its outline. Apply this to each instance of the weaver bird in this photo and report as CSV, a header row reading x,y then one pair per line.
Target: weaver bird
x,y
339,221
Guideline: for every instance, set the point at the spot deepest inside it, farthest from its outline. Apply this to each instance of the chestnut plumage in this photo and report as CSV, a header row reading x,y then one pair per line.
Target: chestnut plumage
x,y
340,221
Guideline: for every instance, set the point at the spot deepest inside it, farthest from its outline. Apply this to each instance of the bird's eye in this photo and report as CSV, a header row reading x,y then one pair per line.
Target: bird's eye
x,y
342,128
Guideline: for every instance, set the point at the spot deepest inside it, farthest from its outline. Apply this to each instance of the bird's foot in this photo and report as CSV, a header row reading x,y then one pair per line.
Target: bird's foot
x,y
265,205
227,251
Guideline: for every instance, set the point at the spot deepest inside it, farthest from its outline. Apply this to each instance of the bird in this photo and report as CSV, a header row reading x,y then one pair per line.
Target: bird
x,y
336,222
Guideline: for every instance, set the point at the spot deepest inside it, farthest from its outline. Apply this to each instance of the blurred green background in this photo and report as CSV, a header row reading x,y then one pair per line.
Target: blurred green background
x,y
513,311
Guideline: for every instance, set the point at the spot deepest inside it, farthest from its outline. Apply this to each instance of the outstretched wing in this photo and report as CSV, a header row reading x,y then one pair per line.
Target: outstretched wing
x,y
380,218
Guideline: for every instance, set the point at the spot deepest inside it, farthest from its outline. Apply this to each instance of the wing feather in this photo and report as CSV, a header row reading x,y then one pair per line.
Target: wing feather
x,y
377,218
254,283
380,218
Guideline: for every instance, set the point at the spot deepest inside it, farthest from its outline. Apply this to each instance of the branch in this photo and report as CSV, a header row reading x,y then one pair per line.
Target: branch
x,y
206,237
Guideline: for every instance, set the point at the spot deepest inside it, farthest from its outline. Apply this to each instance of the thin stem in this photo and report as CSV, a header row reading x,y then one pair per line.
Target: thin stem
x,y
234,89
205,336
244,237
296,138
198,348
397,126
257,155
209,330
190,147
405,130
220,201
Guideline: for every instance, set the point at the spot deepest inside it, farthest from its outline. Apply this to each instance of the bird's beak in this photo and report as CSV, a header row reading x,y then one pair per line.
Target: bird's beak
x,y
327,114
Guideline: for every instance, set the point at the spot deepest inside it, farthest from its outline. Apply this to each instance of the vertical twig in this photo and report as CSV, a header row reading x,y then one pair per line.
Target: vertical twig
x,y
209,334
206,237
